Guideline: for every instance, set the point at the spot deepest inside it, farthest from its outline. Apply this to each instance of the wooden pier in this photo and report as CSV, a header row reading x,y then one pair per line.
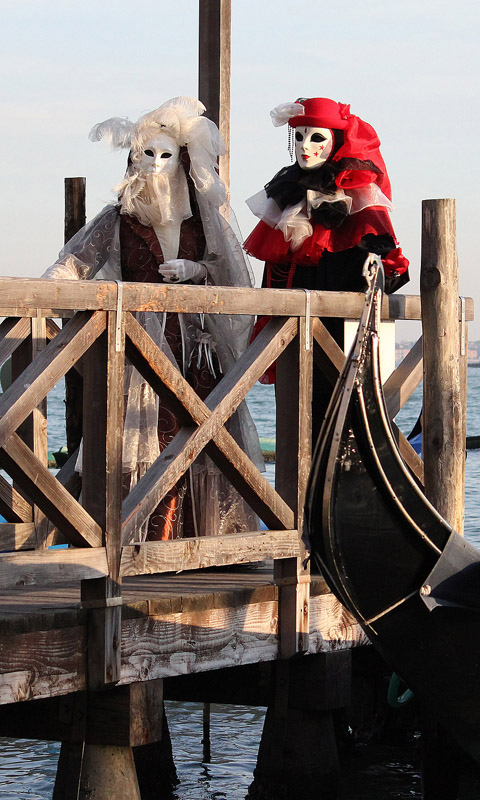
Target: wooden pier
x,y
94,636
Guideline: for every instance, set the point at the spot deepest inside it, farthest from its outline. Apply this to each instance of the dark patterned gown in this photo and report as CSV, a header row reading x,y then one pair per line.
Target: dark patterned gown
x,y
141,255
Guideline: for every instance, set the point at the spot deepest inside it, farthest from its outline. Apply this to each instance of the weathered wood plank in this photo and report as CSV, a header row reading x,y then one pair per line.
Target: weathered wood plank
x,y
188,554
12,332
56,502
21,297
43,374
51,328
173,462
17,536
332,627
13,506
328,356
404,380
192,641
44,567
103,599
409,455
177,634
42,664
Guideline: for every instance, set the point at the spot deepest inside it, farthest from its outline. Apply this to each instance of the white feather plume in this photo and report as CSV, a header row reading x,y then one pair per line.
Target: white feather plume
x,y
117,131
282,113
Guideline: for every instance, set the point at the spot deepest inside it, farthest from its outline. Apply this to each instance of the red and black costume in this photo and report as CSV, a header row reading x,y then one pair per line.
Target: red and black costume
x,y
345,205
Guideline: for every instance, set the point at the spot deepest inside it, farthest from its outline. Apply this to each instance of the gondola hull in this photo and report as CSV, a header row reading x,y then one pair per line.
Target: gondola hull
x,y
410,580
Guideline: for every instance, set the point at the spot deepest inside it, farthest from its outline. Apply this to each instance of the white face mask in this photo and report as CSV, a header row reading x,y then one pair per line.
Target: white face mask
x,y
158,156
312,146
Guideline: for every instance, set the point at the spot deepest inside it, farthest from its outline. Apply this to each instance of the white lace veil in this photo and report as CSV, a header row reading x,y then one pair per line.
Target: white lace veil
x,y
94,252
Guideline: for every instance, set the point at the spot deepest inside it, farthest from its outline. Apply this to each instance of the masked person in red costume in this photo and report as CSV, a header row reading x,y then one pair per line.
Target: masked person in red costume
x,y
322,215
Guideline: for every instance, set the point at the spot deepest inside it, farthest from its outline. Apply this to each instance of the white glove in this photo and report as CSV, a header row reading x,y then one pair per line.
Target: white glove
x,y
180,269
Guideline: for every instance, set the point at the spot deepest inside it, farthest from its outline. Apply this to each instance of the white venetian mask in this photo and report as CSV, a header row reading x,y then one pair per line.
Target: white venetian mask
x,y
312,146
159,155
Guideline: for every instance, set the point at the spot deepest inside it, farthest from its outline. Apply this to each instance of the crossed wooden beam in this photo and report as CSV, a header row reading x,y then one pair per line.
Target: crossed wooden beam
x,y
203,428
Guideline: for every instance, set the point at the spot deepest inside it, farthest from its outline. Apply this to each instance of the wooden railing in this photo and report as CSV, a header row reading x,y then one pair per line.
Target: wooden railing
x,y
101,530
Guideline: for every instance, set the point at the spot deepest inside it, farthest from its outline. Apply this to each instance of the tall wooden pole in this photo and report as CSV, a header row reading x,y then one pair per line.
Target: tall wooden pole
x,y
75,216
214,71
75,200
444,359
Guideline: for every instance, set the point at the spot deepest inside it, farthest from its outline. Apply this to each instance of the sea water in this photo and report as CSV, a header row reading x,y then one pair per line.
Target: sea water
x,y
27,768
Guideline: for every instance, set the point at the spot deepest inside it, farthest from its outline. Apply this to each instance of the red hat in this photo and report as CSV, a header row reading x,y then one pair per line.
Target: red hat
x,y
320,112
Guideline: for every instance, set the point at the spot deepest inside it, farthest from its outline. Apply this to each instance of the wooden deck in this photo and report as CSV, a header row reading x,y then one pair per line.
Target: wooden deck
x,y
171,625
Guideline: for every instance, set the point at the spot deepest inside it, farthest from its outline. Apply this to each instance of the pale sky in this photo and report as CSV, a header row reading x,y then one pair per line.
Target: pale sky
x,y
411,69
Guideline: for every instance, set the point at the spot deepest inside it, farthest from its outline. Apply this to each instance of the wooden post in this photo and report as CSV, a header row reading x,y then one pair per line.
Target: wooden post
x,y
293,457
444,429
108,772
444,381
75,217
298,755
102,495
214,71
105,731
207,753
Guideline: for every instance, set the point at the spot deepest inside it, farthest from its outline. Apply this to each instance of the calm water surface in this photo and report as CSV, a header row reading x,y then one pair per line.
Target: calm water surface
x,y
27,768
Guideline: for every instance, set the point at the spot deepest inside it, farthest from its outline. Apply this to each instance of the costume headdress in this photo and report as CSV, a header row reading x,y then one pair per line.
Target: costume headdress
x,y
181,119
360,141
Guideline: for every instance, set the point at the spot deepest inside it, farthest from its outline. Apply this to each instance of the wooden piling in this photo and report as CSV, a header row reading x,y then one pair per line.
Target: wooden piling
x,y
444,430
207,753
444,382
75,217
75,206
108,773
298,755
214,71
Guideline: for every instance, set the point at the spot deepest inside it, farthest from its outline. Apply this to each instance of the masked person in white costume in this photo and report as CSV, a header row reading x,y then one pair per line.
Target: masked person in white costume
x,y
166,227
